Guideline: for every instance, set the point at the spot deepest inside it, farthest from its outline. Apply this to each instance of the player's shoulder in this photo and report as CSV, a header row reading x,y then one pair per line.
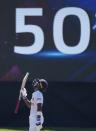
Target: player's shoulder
x,y
37,93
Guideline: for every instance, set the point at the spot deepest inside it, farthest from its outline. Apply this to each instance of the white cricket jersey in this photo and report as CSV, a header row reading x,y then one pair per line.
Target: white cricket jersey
x,y
37,97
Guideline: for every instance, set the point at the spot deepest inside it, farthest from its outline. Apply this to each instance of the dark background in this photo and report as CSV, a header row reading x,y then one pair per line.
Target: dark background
x,y
65,104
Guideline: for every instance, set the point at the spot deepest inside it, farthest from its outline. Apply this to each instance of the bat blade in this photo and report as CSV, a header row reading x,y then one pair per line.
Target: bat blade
x,y
19,98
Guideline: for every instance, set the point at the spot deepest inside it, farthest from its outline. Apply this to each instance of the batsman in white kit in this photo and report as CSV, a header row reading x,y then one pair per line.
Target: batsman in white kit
x,y
36,118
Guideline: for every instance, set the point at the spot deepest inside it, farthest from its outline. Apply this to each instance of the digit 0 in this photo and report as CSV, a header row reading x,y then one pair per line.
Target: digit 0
x,y
58,30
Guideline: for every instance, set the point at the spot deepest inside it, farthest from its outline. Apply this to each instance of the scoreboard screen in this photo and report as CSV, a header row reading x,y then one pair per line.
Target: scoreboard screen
x,y
52,39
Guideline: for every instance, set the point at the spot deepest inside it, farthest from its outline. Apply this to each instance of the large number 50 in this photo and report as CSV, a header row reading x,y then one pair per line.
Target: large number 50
x,y
57,30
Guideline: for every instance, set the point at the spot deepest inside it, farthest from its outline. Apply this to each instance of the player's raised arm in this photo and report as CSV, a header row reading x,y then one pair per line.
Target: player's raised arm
x,y
25,99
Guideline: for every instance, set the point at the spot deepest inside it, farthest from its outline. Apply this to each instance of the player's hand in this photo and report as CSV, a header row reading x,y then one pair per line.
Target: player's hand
x,y
23,93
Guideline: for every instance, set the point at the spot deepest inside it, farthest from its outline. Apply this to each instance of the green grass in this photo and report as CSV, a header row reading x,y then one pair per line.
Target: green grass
x,y
52,129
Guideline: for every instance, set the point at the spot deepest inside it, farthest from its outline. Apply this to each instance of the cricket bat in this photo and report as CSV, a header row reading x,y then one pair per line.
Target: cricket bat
x,y
19,98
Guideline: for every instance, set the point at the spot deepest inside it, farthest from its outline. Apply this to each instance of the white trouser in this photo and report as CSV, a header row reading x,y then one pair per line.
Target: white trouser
x,y
32,123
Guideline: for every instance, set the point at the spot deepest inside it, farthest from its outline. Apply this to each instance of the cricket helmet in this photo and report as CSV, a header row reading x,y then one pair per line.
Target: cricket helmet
x,y
40,84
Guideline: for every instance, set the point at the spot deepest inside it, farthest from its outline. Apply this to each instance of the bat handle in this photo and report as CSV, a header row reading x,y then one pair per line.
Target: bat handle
x,y
17,107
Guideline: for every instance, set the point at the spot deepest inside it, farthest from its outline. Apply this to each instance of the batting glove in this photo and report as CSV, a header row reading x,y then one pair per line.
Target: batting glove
x,y
23,93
